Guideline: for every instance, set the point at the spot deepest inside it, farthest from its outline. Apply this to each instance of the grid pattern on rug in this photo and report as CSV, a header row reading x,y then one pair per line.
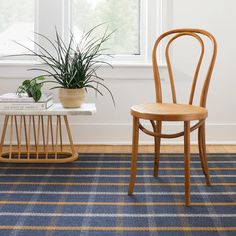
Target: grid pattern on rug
x,y
89,197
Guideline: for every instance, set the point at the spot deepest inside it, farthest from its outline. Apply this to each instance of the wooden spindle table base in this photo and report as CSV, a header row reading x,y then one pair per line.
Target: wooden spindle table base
x,y
37,140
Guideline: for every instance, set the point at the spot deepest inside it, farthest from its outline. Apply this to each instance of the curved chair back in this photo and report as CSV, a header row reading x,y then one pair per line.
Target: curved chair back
x,y
197,34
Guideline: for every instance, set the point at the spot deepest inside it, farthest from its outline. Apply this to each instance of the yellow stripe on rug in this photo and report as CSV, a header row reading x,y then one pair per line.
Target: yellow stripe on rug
x,y
73,228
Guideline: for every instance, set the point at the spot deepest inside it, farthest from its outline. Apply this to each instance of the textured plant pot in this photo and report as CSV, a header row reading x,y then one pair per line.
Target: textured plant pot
x,y
71,98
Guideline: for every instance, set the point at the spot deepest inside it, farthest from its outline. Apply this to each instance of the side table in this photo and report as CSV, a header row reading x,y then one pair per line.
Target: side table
x,y
39,134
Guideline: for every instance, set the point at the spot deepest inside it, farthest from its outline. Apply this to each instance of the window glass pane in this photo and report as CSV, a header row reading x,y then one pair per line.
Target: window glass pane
x,y
123,15
16,24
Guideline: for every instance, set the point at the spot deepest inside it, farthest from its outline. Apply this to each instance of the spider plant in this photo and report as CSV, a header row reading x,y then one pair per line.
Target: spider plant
x,y
73,65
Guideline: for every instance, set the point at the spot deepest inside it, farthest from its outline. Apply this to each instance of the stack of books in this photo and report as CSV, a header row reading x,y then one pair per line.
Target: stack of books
x,y
13,101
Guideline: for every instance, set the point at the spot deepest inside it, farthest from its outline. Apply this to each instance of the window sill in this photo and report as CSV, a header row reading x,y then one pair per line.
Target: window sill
x,y
18,63
120,70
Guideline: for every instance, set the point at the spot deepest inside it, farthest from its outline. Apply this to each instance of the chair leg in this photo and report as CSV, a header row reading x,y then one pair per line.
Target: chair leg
x,y
133,169
202,153
187,161
157,149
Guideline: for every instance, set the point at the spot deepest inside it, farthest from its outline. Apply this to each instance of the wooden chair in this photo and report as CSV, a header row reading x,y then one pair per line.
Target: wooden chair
x,y
159,111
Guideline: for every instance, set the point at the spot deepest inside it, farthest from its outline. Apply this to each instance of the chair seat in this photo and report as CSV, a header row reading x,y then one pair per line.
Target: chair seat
x,y
169,112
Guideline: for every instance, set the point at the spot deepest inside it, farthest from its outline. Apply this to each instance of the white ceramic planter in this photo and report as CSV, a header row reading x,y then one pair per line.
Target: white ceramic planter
x,y
71,98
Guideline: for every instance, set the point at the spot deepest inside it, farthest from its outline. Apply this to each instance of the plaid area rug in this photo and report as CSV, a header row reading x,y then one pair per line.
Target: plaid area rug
x,y
89,197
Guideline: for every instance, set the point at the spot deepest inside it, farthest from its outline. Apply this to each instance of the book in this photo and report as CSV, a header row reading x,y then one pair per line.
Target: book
x,y
26,105
15,98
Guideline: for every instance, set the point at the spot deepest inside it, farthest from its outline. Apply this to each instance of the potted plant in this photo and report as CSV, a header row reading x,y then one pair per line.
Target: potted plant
x,y
73,67
32,88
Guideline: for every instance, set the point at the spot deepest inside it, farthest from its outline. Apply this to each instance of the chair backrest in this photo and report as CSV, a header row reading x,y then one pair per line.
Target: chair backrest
x,y
198,35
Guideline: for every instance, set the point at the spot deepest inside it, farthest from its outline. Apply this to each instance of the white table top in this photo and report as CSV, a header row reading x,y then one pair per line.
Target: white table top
x,y
55,109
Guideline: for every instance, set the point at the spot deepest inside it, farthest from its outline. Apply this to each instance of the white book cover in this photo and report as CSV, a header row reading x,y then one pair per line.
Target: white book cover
x,y
26,105
15,98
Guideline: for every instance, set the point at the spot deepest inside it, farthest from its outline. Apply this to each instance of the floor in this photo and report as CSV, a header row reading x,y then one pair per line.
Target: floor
x,y
150,149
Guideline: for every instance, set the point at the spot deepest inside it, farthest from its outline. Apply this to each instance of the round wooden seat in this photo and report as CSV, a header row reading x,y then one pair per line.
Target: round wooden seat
x,y
169,112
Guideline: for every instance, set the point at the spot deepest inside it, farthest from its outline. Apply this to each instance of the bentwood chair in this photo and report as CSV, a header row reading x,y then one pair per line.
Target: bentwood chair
x,y
159,112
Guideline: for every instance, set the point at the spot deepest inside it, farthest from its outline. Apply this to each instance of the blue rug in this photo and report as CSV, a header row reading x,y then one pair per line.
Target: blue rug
x,y
89,197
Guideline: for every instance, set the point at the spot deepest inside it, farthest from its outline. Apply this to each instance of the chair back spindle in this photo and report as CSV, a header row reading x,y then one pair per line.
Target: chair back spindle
x,y
196,34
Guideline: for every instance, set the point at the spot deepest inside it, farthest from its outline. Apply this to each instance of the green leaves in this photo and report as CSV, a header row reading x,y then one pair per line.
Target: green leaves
x,y
32,88
36,92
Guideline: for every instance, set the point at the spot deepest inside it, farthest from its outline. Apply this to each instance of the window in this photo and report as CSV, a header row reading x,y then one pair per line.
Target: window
x,y
122,15
137,24
16,24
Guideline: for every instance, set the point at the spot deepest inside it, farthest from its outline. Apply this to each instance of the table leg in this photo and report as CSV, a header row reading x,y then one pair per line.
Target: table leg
x,y
70,138
4,132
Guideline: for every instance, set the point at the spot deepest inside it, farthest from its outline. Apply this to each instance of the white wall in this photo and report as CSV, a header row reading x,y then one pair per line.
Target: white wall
x,y
134,85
